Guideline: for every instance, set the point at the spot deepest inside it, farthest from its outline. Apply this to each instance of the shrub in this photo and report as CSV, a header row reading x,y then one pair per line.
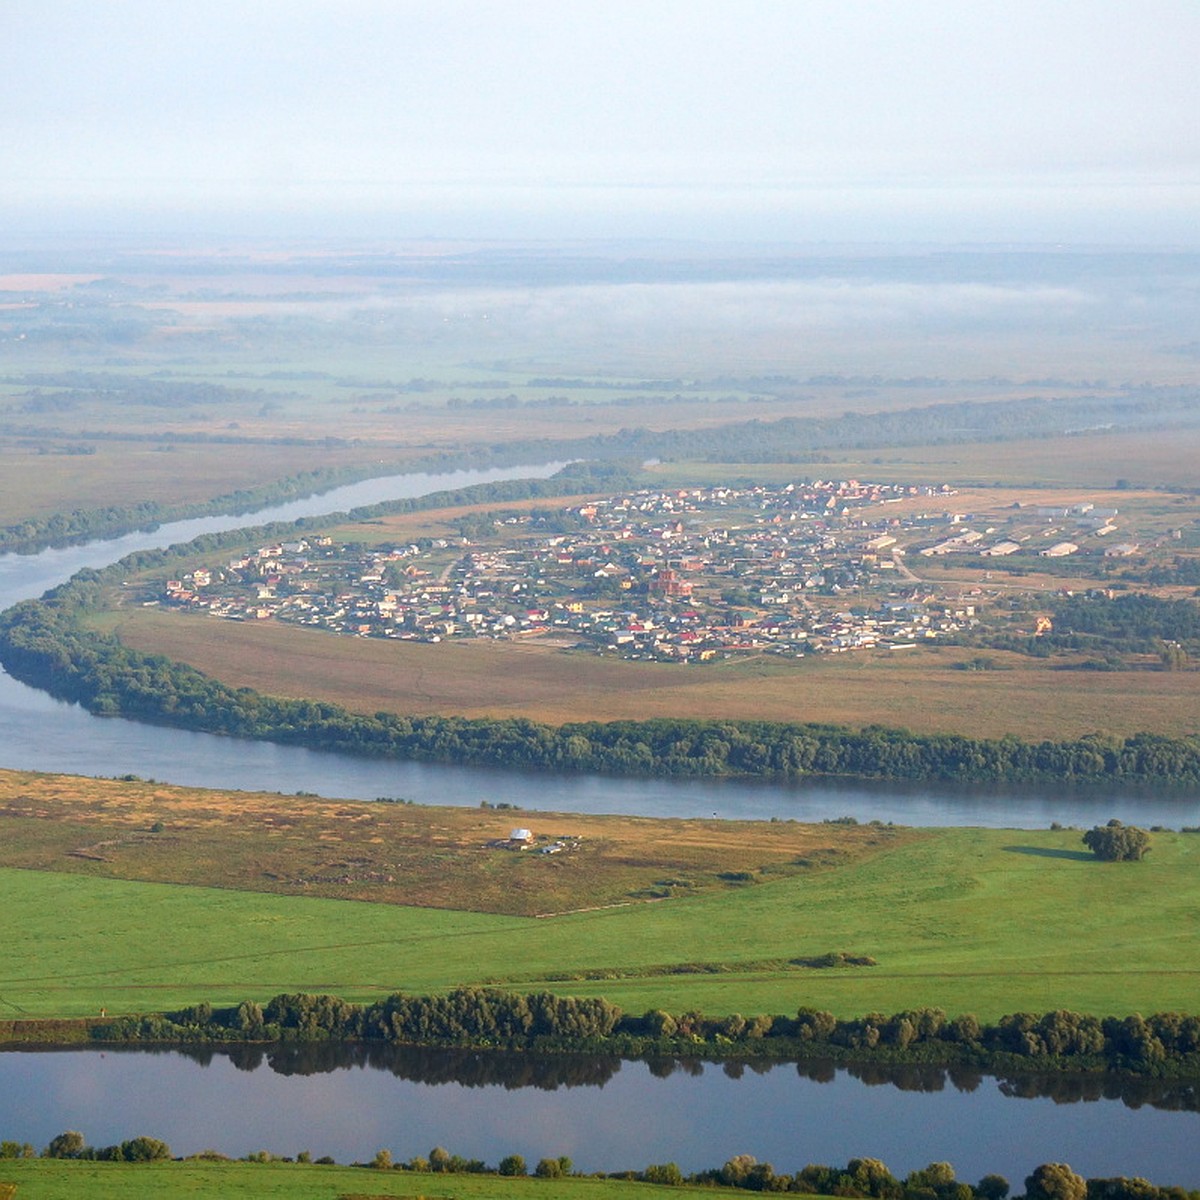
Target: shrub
x,y
1055,1181
1115,842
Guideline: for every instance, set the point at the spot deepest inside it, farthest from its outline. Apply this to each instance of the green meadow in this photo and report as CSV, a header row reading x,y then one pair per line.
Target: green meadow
x,y
969,920
49,1179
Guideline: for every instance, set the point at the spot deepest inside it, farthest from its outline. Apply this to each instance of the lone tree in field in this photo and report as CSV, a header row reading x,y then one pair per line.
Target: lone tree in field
x,y
1115,842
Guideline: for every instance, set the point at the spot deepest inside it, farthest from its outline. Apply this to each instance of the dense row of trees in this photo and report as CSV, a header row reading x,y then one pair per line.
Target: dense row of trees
x,y
465,1016
72,389
1164,1043
803,439
868,1177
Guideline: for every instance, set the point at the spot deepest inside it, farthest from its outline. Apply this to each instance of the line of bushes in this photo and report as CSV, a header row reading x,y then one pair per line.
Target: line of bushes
x,y
71,1144
865,1178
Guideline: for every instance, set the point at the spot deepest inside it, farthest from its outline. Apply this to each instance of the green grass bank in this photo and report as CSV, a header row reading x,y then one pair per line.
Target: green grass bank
x,y
968,920
47,1179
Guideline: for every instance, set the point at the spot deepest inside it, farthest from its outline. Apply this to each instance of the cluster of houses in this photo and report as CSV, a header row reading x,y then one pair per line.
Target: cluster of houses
x,y
683,575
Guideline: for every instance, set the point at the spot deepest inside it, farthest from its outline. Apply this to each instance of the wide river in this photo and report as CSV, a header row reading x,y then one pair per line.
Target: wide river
x,y
605,1114
39,733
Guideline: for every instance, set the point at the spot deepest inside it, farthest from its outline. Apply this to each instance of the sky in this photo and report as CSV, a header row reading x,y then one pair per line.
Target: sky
x,y
761,120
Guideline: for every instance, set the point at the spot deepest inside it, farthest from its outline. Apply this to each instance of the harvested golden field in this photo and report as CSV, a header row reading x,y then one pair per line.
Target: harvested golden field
x,y
918,689
393,853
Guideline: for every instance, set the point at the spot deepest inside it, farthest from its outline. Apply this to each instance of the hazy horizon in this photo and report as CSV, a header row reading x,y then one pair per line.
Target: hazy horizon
x,y
797,122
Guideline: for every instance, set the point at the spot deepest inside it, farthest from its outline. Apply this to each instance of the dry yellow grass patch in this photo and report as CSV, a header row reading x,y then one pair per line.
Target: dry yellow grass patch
x,y
396,853
916,689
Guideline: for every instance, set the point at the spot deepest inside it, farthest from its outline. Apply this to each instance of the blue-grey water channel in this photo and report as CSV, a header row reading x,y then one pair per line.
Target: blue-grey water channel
x,y
607,1116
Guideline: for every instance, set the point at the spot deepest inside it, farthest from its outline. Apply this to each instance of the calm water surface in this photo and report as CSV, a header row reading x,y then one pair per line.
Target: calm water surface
x,y
604,1113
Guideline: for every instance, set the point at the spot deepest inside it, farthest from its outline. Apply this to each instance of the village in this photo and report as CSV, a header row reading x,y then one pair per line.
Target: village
x,y
686,575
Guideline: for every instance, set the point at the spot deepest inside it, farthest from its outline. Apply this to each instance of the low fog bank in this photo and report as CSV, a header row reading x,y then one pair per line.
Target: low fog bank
x,y
623,309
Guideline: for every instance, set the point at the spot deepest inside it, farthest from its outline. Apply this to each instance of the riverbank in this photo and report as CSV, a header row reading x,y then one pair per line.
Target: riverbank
x,y
442,1174
196,1179
607,1114
171,897
1162,1046
134,896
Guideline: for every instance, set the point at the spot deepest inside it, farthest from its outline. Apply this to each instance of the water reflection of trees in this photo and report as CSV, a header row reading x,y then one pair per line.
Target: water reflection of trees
x,y
1132,1091
1179,1095
548,1072
415,1064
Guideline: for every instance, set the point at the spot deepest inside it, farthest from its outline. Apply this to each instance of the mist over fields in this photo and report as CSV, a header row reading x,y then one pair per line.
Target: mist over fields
x,y
669,310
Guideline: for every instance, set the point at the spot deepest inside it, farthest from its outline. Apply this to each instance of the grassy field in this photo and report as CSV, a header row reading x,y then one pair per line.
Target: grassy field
x,y
1084,460
37,485
46,1179
173,471
986,921
920,689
